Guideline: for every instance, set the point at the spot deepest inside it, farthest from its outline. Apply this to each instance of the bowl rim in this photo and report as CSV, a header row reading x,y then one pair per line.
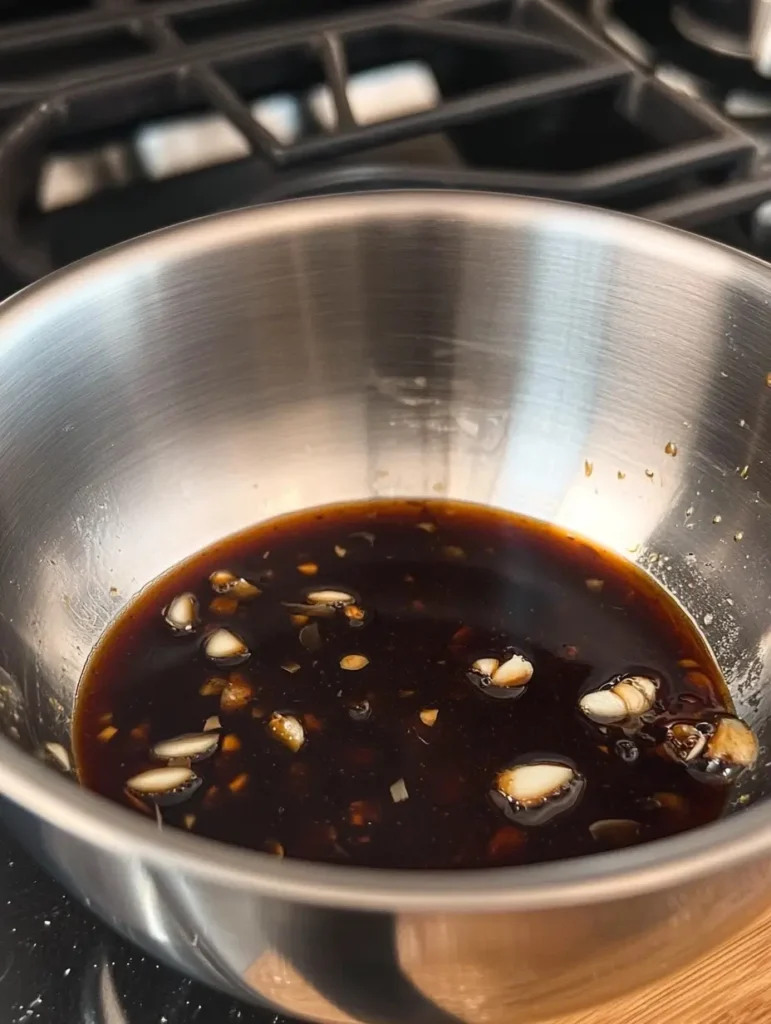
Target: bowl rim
x,y
596,878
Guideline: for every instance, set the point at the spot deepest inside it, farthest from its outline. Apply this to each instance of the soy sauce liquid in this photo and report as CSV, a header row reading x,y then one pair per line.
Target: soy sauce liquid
x,y
441,584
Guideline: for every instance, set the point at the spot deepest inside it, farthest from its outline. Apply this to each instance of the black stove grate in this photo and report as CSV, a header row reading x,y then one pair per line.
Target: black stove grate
x,y
529,100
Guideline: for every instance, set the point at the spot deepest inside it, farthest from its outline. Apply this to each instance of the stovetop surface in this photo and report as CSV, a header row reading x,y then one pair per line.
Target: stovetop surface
x,y
122,116
58,964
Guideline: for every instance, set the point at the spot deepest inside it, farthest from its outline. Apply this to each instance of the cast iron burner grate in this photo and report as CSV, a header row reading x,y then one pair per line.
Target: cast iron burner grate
x,y
528,99
527,96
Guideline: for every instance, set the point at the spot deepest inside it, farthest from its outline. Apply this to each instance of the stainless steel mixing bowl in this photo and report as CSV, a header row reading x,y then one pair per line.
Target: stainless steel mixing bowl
x,y
533,355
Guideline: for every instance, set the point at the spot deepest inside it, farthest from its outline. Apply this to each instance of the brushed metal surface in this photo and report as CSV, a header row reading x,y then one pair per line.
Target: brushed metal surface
x,y
165,393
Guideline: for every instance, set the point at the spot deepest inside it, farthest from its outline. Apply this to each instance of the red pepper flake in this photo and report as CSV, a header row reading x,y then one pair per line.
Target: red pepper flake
x,y
363,812
508,842
354,613
237,693
699,680
223,605
213,686
238,783
461,639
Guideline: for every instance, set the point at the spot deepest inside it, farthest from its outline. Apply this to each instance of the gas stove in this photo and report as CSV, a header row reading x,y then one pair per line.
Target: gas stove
x,y
121,116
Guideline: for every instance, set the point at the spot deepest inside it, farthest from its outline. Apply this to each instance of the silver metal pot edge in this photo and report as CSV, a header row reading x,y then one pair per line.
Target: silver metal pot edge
x,y
662,864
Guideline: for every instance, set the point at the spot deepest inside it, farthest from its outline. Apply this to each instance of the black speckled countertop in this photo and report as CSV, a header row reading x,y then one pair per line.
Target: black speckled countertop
x,y
60,965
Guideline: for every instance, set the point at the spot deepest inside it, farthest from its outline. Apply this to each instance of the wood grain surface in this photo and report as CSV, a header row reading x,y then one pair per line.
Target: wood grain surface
x,y
732,986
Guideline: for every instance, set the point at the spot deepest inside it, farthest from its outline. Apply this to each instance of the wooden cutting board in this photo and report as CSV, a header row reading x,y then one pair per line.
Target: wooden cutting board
x,y
732,986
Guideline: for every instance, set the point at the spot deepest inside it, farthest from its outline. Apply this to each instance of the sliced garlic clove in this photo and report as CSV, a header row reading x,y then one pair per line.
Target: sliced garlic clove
x,y
399,791
485,666
213,686
165,785
515,671
533,794
332,598
685,741
222,645
532,784
287,730
244,590
635,700
354,662
212,723
221,581
732,749
356,616
630,697
603,707
237,693
502,680
60,755
615,832
734,741
182,613
193,745
714,752
225,582
648,687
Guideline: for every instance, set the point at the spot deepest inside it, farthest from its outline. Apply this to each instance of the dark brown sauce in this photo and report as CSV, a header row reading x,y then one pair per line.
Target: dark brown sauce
x,y
400,758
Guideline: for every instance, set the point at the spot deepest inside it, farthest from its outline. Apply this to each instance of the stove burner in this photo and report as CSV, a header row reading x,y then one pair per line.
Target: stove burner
x,y
716,50
721,26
